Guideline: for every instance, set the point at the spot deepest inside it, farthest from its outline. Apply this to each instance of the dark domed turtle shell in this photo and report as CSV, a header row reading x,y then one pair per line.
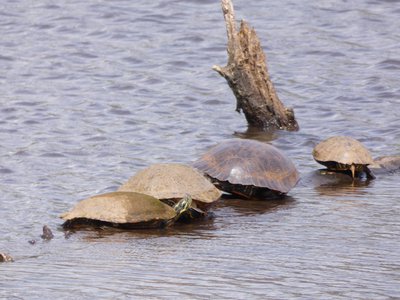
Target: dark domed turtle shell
x,y
343,153
124,209
248,168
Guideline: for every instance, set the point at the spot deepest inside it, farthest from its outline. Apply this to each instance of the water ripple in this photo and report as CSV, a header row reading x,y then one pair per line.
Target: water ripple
x,y
94,91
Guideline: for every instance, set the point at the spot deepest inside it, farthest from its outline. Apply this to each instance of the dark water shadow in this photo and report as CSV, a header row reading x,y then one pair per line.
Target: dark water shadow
x,y
327,183
248,207
97,231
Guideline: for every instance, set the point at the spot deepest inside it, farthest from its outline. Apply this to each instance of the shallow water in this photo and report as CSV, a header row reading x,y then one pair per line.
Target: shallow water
x,y
93,91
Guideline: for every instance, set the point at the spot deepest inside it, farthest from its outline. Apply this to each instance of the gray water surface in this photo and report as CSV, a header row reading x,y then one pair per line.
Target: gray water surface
x,y
93,91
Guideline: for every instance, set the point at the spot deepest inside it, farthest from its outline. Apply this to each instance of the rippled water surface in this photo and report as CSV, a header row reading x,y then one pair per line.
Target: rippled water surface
x,y
93,91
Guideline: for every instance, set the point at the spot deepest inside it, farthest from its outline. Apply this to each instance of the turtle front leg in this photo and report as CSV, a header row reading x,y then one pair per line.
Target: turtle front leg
x,y
353,171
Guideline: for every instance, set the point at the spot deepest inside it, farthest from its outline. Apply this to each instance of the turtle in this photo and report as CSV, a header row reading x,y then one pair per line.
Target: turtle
x,y
343,153
169,182
125,210
249,169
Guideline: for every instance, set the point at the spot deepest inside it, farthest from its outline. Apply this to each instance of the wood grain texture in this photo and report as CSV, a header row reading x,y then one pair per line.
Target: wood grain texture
x,y
248,77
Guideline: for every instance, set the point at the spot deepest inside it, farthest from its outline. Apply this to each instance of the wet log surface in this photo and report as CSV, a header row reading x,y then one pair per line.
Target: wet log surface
x,y
248,77
4,257
386,164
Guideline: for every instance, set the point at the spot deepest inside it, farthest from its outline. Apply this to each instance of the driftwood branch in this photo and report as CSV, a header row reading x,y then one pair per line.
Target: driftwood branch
x,y
247,76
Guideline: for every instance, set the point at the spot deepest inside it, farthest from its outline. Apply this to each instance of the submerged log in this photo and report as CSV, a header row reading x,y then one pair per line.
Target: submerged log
x,y
247,76
386,164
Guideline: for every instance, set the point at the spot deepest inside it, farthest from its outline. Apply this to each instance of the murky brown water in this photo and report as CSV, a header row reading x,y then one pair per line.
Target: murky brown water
x,y
93,91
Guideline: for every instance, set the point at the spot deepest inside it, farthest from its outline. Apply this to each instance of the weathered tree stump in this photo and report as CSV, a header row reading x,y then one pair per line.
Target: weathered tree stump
x,y
247,76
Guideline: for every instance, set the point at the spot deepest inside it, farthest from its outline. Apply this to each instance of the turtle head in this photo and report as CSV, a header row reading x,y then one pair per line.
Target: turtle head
x,y
183,205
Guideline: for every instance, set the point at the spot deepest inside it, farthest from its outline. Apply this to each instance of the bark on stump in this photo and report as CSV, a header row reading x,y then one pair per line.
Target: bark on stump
x,y
247,76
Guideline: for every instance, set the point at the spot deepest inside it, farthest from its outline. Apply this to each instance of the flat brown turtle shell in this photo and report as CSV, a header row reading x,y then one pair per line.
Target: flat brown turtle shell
x,y
343,150
249,163
120,208
173,181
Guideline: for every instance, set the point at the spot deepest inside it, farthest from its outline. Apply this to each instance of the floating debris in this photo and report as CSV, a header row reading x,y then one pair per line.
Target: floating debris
x,y
5,257
47,234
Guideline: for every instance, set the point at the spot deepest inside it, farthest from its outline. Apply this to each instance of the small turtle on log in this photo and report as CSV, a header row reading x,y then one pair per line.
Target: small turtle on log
x,y
343,153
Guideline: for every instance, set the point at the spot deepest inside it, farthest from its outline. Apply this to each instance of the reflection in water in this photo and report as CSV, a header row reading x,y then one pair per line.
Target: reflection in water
x,y
287,141
329,183
92,91
113,234
257,134
254,207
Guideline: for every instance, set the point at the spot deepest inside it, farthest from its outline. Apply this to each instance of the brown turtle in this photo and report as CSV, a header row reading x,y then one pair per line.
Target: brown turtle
x,y
343,153
248,168
125,210
170,182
